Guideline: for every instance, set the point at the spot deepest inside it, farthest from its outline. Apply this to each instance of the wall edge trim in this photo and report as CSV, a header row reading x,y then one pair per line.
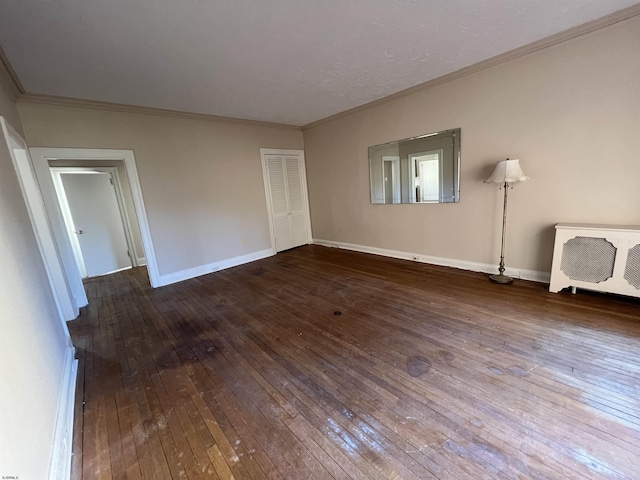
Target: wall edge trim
x,y
181,275
519,273
41,99
62,448
16,84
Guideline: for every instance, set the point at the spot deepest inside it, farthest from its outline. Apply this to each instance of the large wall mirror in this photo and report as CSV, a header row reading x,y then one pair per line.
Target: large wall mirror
x,y
424,169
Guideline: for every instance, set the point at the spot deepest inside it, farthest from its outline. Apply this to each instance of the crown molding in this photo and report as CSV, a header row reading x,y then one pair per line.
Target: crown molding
x,y
31,98
570,34
23,97
14,82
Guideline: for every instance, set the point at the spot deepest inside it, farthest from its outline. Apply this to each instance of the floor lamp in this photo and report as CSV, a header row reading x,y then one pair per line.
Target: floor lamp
x,y
506,173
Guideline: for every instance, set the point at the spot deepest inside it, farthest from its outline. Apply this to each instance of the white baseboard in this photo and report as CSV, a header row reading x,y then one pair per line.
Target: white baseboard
x,y
182,275
524,274
60,467
76,312
140,261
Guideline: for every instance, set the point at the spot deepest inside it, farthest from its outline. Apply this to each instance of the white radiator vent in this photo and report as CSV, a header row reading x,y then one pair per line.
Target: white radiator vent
x,y
632,269
588,259
605,258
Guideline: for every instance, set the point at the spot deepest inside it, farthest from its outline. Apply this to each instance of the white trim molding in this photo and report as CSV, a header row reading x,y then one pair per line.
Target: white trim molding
x,y
547,42
533,275
41,156
182,275
66,303
42,99
60,466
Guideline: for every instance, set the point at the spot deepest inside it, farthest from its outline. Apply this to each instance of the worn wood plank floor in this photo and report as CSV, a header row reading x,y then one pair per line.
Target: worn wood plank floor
x,y
321,363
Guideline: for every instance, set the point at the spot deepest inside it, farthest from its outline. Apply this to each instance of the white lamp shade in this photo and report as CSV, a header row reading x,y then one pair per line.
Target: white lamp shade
x,y
507,171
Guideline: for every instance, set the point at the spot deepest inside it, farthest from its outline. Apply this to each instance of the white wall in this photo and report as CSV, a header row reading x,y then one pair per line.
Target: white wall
x,y
570,112
33,341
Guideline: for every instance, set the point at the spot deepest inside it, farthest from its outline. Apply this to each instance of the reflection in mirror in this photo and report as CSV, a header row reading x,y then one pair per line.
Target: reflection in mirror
x,y
422,169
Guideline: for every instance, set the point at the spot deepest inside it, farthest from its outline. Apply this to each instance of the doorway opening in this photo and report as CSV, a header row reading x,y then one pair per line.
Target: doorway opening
x,y
426,171
391,179
97,210
50,166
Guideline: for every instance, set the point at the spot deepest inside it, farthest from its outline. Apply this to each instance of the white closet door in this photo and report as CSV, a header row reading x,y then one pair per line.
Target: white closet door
x,y
279,202
288,199
297,217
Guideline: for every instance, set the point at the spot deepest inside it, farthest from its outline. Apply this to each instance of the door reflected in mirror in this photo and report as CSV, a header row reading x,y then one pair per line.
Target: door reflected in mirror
x,y
424,169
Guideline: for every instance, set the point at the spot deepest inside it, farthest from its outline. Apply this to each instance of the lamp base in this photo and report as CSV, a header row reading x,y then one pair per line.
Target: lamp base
x,y
500,278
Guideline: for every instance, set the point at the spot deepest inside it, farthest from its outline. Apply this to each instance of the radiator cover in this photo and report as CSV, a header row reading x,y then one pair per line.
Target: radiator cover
x,y
596,257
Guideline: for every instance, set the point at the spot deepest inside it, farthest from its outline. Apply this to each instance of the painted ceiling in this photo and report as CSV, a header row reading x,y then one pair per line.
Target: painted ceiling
x,y
283,61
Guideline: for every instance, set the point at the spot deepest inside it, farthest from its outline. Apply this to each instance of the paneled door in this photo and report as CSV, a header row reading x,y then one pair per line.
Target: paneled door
x,y
286,191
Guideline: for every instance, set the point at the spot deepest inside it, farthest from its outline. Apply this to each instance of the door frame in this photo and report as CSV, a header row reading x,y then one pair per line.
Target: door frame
x,y
267,191
56,173
395,177
54,268
412,167
41,156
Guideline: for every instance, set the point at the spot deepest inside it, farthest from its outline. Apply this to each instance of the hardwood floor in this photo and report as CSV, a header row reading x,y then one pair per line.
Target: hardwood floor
x,y
322,363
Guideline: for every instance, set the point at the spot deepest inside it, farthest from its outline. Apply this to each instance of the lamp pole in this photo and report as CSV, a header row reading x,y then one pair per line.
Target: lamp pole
x,y
502,278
